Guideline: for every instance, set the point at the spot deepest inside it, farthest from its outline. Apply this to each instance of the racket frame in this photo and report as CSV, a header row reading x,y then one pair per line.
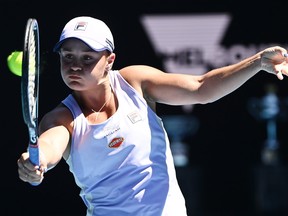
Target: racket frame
x,y
30,101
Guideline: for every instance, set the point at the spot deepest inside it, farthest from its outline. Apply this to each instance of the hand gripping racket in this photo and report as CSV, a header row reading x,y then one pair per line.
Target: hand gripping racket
x,y
30,87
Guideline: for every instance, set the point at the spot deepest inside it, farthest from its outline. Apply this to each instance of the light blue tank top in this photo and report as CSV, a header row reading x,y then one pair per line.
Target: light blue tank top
x,y
124,165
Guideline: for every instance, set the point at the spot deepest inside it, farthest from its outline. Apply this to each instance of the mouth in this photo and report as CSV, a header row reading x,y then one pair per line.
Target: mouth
x,y
73,76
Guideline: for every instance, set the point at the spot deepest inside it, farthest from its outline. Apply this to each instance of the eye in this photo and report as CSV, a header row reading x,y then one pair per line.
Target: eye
x,y
66,56
87,58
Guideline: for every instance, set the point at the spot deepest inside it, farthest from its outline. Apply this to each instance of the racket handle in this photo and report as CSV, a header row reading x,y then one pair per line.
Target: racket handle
x,y
34,158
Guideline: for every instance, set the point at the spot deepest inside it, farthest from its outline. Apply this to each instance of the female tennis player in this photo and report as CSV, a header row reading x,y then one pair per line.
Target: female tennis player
x,y
107,129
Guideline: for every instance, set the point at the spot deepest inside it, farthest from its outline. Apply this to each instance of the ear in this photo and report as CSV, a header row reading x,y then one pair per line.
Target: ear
x,y
110,61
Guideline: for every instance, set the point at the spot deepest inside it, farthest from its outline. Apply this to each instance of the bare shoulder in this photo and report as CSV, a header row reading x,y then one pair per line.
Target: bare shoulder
x,y
143,78
140,74
138,71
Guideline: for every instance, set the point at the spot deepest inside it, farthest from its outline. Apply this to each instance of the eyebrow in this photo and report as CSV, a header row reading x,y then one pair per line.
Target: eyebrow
x,y
83,50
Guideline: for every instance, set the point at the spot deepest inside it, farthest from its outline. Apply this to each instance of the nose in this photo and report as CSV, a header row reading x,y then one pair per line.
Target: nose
x,y
76,68
76,65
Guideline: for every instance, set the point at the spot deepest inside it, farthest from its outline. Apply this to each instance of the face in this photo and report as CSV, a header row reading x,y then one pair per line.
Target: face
x,y
81,67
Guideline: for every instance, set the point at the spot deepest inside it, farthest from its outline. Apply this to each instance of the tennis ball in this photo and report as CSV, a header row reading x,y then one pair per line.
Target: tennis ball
x,y
14,62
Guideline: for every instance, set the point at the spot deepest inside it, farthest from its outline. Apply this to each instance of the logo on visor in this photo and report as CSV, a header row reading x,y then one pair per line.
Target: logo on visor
x,y
81,26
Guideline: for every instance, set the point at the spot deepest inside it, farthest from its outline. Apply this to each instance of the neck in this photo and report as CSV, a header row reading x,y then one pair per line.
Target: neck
x,y
104,104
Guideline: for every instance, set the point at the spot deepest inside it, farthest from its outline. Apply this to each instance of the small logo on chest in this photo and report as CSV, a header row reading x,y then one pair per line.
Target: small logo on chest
x,y
134,117
116,142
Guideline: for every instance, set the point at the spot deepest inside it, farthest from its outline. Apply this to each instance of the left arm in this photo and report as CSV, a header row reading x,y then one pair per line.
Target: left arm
x,y
180,89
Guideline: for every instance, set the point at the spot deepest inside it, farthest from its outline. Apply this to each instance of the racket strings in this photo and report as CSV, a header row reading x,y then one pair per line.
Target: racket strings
x,y
32,82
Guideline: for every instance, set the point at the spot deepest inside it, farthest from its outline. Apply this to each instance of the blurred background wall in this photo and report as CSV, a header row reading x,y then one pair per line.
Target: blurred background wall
x,y
223,173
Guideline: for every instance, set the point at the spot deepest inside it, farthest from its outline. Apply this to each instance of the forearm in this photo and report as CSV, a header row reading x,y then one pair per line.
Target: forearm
x,y
49,155
222,81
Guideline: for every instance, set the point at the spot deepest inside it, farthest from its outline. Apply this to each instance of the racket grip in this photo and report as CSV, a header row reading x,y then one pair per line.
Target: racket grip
x,y
34,158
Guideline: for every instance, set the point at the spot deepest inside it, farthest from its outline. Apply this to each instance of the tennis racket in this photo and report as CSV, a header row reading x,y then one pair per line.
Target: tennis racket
x,y
30,87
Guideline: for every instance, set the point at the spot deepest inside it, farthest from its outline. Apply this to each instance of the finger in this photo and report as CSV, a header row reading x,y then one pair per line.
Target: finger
x,y
21,169
26,174
19,163
31,177
43,169
23,174
280,75
29,166
284,71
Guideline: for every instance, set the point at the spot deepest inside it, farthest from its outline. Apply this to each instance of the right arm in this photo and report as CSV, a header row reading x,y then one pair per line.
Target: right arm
x,y
54,137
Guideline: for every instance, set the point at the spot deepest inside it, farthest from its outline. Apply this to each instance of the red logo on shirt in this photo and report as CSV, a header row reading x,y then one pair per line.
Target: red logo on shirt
x,y
116,142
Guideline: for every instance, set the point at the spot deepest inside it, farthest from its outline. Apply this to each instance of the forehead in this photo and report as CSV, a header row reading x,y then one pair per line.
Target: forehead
x,y
74,43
